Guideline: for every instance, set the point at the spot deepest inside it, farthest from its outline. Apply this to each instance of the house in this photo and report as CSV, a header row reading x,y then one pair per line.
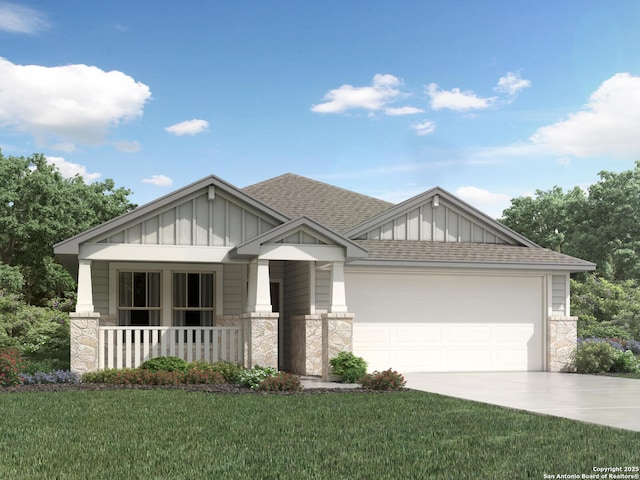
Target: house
x,y
290,271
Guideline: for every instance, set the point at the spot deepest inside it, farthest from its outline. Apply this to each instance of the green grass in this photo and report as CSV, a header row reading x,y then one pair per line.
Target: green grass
x,y
174,434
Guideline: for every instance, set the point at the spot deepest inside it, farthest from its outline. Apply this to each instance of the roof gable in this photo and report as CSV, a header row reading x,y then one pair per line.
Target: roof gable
x,y
207,212
437,216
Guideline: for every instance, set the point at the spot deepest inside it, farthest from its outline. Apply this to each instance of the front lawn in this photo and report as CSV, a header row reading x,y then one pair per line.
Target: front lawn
x,y
175,434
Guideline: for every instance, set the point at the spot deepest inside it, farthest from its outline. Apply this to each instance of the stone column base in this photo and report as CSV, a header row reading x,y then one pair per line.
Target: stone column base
x,y
562,335
337,336
306,344
84,341
260,339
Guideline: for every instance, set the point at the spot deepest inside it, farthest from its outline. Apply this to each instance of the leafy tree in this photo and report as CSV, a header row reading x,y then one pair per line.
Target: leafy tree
x,y
39,208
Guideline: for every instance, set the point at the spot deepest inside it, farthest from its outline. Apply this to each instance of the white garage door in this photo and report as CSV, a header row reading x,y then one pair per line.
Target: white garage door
x,y
447,323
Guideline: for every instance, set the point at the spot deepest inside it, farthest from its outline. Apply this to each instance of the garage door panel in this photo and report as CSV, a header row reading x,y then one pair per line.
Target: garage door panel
x,y
447,322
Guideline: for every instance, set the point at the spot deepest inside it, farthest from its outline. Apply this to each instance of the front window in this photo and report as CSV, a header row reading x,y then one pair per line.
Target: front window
x,y
193,299
139,298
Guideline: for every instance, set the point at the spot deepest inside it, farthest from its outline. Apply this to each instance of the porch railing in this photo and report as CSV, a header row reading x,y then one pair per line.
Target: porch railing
x,y
129,347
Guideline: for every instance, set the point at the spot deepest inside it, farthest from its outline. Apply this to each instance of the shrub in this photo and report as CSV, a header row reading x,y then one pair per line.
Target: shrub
x,y
604,330
59,376
196,376
165,364
252,377
625,362
594,357
348,367
10,365
100,376
46,365
141,376
230,370
387,380
281,382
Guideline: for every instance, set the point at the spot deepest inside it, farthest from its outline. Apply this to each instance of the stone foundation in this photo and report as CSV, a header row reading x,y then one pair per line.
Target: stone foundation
x,y
84,341
229,321
260,339
563,340
306,344
337,336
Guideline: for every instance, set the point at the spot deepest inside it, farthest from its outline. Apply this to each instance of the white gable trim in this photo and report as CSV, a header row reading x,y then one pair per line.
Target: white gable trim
x,y
154,253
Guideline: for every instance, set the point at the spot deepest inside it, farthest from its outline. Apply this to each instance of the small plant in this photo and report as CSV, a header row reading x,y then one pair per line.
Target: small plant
x,y
100,376
387,380
165,364
195,376
281,382
10,366
348,367
230,370
594,357
625,362
252,378
58,376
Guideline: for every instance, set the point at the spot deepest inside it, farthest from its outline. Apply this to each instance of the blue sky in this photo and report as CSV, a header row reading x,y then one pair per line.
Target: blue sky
x,y
488,99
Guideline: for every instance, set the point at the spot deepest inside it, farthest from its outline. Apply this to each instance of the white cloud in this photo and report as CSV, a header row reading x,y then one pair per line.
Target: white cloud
x,y
396,111
16,18
160,180
487,202
456,99
375,97
72,103
129,147
607,125
511,84
70,170
424,128
188,127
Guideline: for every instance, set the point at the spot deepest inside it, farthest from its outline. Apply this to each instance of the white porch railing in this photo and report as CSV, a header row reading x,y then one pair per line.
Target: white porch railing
x,y
129,347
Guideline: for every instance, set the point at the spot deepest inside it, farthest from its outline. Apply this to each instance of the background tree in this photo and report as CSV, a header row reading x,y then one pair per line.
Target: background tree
x,y
39,208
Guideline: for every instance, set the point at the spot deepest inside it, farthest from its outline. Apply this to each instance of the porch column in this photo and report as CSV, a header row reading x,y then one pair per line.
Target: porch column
x,y
85,329
85,291
259,323
259,295
338,300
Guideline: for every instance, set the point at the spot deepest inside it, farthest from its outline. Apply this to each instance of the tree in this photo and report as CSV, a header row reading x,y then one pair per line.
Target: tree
x,y
548,218
39,208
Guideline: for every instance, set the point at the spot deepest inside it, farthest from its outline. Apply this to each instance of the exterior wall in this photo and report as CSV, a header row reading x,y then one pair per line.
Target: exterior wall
x,y
100,281
260,335
323,288
234,288
562,338
84,341
442,223
199,220
559,295
306,345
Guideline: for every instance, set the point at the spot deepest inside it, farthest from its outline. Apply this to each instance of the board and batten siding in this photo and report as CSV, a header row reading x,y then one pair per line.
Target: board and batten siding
x,y
297,288
234,288
198,221
323,289
442,223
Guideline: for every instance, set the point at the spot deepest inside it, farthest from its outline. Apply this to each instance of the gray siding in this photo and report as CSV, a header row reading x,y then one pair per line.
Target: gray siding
x,y
100,286
297,295
198,220
443,223
234,288
323,281
559,295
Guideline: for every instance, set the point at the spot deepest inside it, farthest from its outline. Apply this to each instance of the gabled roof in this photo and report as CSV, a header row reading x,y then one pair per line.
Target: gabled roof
x,y
430,195
336,208
311,228
71,245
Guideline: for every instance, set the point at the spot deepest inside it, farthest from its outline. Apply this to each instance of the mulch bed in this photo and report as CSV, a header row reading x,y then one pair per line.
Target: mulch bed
x,y
221,388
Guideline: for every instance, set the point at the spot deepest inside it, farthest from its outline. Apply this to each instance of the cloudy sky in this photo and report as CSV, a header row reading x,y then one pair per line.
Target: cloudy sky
x,y
488,99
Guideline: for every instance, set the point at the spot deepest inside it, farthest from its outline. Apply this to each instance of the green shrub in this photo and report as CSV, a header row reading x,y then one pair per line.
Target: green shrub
x,y
387,380
281,382
594,357
140,376
100,376
165,364
10,366
603,330
196,376
251,378
230,370
625,362
348,367
30,366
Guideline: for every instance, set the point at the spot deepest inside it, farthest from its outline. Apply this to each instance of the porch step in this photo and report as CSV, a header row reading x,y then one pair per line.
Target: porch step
x,y
308,381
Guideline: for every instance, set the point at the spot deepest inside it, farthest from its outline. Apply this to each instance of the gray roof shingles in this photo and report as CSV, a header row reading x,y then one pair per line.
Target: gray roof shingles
x,y
342,210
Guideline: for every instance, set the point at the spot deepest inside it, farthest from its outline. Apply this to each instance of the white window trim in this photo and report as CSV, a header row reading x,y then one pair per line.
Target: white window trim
x,y
166,269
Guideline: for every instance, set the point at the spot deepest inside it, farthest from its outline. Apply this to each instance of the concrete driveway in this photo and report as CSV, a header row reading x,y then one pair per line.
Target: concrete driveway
x,y
610,401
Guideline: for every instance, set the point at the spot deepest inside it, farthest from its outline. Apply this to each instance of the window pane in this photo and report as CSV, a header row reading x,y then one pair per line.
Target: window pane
x,y
124,289
139,289
154,289
179,290
193,290
206,293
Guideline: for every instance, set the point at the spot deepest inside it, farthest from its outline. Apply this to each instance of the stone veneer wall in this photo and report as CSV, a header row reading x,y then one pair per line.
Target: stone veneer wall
x,y
563,341
337,336
306,344
84,341
260,339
